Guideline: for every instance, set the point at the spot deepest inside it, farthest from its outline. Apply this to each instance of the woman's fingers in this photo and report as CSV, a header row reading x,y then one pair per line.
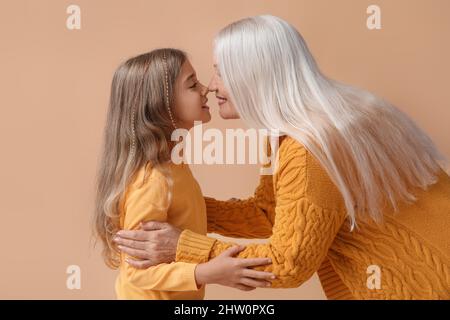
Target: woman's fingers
x,y
130,243
244,287
141,254
249,273
255,283
253,262
138,235
138,264
152,225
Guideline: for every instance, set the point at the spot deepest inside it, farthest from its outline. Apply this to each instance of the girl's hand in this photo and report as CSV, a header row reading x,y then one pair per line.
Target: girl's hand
x,y
234,272
155,243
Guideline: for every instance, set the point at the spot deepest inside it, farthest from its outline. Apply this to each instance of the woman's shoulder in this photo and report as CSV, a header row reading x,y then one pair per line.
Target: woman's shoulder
x,y
316,183
289,149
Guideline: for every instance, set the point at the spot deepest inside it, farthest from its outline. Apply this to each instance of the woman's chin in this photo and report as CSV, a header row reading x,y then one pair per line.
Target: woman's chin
x,y
225,114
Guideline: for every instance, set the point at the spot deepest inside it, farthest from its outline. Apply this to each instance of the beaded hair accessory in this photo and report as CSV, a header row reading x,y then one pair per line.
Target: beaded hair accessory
x,y
133,133
166,89
167,104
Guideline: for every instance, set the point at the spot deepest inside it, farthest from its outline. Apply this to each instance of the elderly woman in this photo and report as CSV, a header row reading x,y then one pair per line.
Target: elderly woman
x,y
359,187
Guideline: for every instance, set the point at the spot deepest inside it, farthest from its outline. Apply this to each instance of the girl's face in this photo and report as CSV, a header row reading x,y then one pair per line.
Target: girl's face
x,y
226,107
190,98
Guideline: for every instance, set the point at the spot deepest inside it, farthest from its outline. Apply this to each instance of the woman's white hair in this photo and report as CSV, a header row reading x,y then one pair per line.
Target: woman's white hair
x,y
371,150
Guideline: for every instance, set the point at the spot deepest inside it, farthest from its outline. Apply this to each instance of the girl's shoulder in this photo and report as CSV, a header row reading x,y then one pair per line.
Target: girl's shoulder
x,y
149,182
149,186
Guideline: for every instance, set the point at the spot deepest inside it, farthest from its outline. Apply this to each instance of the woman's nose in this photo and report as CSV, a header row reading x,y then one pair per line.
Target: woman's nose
x,y
212,86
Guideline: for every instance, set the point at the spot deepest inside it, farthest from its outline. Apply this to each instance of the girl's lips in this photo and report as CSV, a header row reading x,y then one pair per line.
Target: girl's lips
x,y
205,107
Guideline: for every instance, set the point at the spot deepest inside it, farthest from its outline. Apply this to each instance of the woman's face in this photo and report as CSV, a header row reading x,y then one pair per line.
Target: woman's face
x,y
226,107
190,98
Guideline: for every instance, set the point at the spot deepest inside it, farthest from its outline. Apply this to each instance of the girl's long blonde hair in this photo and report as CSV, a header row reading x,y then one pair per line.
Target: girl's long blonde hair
x,y
137,134
371,150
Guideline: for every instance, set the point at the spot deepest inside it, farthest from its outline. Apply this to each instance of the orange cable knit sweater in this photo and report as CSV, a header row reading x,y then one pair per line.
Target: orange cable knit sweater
x,y
302,213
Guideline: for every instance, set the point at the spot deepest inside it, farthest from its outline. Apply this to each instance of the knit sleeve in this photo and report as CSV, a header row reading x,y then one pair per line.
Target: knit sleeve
x,y
249,218
304,228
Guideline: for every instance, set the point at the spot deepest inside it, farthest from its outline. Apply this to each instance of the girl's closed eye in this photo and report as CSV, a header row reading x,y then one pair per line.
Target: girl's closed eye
x,y
194,85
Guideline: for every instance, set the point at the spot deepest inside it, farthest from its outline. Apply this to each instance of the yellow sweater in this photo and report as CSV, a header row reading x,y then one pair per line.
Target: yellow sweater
x,y
302,213
148,201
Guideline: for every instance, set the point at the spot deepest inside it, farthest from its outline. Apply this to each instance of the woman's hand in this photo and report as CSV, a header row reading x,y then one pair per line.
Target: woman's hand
x,y
234,272
155,243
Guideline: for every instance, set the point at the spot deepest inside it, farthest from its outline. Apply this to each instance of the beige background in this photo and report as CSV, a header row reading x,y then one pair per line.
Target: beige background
x,y
54,93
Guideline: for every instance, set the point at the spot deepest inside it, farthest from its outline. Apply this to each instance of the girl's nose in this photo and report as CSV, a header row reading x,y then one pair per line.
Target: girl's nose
x,y
205,90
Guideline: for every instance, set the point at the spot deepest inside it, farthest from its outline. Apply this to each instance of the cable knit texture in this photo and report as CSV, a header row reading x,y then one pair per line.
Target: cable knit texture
x,y
302,213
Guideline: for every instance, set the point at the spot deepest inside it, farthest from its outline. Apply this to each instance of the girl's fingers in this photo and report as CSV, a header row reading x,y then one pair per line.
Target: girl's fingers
x,y
244,287
249,273
255,262
255,283
130,243
137,235
139,264
234,250
140,254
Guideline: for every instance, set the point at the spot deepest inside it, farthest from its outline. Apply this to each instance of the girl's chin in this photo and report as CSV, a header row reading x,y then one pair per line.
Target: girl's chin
x,y
207,118
206,115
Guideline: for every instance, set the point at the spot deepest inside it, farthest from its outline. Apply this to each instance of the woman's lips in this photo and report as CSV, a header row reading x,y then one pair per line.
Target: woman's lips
x,y
221,100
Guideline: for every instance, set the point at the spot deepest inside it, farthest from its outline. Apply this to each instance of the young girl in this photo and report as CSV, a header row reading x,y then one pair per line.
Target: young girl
x,y
151,95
